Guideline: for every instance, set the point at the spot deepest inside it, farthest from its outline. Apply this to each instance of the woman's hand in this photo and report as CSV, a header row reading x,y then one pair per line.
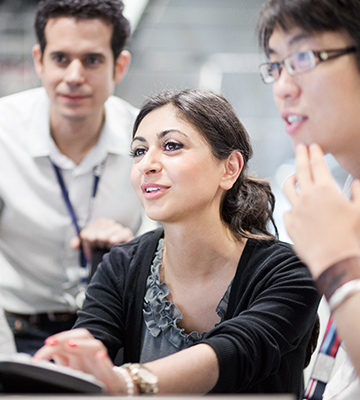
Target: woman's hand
x,y
323,224
79,350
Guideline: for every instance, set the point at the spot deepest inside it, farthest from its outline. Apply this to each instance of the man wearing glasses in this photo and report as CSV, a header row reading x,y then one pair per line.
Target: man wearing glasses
x,y
314,66
300,62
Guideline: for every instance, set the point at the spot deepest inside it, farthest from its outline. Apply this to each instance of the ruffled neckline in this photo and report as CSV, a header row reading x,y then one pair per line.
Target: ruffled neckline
x,y
161,316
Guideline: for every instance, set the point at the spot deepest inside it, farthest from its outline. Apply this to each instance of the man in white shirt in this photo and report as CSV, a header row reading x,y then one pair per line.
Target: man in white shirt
x,y
64,167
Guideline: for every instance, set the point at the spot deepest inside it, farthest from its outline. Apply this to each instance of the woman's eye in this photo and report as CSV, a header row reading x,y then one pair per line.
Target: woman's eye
x,y
171,146
137,152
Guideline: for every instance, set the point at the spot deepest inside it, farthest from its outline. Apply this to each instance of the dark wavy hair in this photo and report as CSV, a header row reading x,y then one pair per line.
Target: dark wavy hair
x,y
312,16
110,11
247,208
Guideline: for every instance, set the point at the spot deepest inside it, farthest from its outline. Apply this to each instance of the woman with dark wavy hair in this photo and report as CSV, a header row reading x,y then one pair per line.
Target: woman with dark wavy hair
x,y
212,301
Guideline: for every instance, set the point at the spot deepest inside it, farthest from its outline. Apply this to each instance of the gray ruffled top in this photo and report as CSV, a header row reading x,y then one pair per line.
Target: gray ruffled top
x,y
161,335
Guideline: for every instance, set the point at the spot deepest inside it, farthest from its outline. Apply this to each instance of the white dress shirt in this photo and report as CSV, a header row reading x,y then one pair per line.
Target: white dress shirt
x,y
344,385
7,343
39,271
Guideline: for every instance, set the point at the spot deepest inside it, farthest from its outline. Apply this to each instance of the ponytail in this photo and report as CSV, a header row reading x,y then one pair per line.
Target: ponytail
x,y
248,208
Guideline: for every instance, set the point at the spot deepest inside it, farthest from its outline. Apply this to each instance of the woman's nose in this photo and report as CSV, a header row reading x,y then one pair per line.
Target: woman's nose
x,y
150,162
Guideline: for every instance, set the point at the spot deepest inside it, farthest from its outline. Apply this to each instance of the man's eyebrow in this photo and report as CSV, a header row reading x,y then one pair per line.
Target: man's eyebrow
x,y
92,54
97,55
293,40
58,53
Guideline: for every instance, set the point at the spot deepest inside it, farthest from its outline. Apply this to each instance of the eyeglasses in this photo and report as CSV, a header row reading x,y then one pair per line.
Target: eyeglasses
x,y
300,62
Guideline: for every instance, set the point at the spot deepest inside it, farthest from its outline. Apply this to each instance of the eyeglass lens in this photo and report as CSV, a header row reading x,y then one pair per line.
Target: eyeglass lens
x,y
302,61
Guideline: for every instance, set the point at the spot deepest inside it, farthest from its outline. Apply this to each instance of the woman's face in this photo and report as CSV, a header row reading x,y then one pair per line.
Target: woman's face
x,y
174,173
322,105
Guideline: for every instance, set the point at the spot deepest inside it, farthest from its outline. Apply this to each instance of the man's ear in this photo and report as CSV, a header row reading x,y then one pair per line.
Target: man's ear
x,y
232,169
122,65
38,62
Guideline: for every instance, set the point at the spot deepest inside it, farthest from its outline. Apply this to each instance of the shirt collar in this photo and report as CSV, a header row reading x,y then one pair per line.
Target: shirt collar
x,y
112,140
117,138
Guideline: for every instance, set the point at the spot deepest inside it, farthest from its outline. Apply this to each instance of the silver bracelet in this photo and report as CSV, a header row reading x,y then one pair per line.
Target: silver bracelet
x,y
128,380
343,292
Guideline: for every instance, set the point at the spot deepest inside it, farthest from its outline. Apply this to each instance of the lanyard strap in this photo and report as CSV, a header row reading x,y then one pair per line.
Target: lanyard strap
x,y
65,194
324,363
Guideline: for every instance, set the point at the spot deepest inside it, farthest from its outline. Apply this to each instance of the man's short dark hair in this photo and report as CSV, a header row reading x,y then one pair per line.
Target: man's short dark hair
x,y
110,11
312,16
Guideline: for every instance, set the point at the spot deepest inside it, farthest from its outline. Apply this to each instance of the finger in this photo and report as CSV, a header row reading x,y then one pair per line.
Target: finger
x,y
288,222
123,235
44,353
84,346
88,247
303,167
107,238
77,354
48,350
60,359
81,353
320,170
289,189
81,356
61,337
355,191
75,243
55,343
58,340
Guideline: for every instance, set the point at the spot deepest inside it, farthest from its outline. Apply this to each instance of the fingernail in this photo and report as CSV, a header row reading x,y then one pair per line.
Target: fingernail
x,y
51,342
72,343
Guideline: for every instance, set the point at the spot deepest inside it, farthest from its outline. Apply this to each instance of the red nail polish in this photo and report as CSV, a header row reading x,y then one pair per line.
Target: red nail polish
x,y
72,343
51,342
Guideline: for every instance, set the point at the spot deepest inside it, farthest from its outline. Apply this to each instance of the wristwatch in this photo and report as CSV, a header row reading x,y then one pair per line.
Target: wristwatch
x,y
146,381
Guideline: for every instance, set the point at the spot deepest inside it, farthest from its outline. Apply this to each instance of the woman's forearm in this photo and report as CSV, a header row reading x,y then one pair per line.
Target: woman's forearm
x,y
197,366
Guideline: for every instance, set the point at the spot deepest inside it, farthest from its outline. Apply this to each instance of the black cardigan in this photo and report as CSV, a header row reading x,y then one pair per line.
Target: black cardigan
x,y
260,346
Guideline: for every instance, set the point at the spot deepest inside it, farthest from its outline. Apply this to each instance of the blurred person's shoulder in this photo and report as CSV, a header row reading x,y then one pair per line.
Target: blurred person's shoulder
x,y
119,121
120,108
22,101
24,117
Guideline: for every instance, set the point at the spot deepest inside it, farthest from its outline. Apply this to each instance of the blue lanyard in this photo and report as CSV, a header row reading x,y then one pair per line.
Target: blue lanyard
x,y
65,194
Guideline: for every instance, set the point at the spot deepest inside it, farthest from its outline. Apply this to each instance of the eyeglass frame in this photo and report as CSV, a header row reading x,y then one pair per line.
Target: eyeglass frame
x,y
317,58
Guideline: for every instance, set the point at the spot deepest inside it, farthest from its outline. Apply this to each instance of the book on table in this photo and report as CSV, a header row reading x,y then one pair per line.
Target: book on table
x,y
19,373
